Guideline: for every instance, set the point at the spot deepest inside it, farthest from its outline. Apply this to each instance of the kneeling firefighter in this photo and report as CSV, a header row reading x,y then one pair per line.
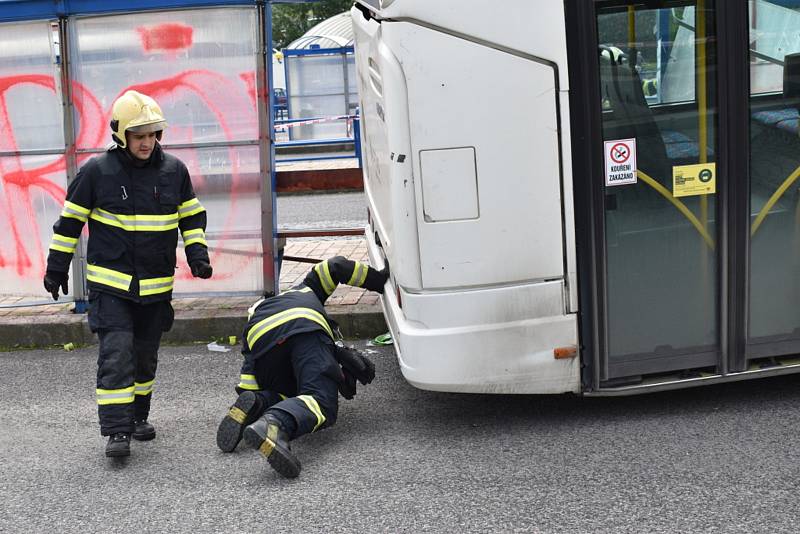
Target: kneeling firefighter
x,y
134,197
293,369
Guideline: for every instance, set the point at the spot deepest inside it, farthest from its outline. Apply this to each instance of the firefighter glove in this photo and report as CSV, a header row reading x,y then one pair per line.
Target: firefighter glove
x,y
201,269
347,387
53,280
356,364
377,279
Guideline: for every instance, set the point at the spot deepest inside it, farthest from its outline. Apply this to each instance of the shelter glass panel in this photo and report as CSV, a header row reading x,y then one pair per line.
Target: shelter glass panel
x,y
30,88
317,89
227,181
198,65
32,192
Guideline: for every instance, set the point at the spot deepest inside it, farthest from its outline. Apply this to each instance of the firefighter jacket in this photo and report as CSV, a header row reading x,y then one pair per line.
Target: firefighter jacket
x,y
134,210
301,309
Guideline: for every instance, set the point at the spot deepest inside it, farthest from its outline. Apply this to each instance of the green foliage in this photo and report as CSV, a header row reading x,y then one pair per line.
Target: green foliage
x,y
290,21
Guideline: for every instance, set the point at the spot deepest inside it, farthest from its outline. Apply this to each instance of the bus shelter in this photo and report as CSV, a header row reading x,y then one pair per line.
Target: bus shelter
x,y
207,63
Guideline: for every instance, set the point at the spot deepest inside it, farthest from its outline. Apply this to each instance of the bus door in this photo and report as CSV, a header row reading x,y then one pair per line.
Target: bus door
x,y
693,243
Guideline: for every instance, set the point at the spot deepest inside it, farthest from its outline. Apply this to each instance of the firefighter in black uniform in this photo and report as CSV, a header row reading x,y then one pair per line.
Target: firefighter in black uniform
x,y
135,197
293,370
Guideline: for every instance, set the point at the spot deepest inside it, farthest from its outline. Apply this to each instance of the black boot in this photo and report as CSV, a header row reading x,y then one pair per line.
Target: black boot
x,y
268,437
144,431
119,445
244,411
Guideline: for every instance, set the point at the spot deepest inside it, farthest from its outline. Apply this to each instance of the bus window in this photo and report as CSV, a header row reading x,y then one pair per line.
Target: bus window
x,y
774,316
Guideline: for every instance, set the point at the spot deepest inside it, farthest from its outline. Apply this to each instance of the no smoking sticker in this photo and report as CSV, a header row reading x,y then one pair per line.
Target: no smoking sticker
x,y
620,162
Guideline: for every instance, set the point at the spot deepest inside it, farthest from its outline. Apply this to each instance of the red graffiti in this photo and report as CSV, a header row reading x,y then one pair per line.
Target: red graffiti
x,y
168,37
17,181
249,79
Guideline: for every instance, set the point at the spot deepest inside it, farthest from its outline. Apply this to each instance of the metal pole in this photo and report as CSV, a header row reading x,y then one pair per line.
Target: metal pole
x,y
79,290
267,148
345,84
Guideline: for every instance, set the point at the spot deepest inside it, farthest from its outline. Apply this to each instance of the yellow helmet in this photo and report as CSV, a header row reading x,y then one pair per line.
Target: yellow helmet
x,y
137,113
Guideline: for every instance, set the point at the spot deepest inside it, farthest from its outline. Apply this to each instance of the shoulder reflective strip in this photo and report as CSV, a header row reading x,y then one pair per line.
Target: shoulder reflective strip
x,y
64,243
252,309
248,382
143,388
312,405
190,207
75,211
324,274
152,286
191,237
274,321
136,223
109,277
304,290
114,396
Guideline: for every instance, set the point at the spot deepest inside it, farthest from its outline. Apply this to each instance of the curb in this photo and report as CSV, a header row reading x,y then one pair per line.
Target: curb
x,y
37,332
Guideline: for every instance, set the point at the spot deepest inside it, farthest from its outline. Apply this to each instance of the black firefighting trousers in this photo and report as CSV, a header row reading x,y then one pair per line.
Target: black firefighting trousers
x,y
130,334
298,382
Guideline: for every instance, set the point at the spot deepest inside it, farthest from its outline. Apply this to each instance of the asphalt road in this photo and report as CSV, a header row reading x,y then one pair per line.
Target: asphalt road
x,y
717,459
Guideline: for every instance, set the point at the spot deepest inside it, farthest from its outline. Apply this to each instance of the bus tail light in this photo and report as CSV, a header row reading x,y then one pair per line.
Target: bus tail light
x,y
565,353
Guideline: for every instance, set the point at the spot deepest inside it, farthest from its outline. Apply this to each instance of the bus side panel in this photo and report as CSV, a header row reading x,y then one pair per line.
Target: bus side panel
x,y
532,26
388,183
484,136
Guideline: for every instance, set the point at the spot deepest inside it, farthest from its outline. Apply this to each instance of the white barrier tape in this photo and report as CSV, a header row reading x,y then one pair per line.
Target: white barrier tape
x,y
285,127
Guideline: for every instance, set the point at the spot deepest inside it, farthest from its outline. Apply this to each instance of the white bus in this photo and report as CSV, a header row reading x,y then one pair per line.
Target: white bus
x,y
588,196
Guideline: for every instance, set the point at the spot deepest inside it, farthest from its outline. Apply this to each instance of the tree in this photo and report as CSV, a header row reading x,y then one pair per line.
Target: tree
x,y
290,21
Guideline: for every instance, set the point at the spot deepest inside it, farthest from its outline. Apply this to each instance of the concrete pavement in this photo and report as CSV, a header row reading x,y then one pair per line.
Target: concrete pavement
x,y
357,311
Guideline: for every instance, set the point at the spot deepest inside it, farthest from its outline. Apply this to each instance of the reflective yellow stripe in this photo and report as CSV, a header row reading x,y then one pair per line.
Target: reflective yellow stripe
x,y
190,207
108,277
274,321
152,286
303,290
74,211
363,276
64,243
191,237
136,223
360,271
143,388
237,415
252,309
248,382
324,274
312,405
114,396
